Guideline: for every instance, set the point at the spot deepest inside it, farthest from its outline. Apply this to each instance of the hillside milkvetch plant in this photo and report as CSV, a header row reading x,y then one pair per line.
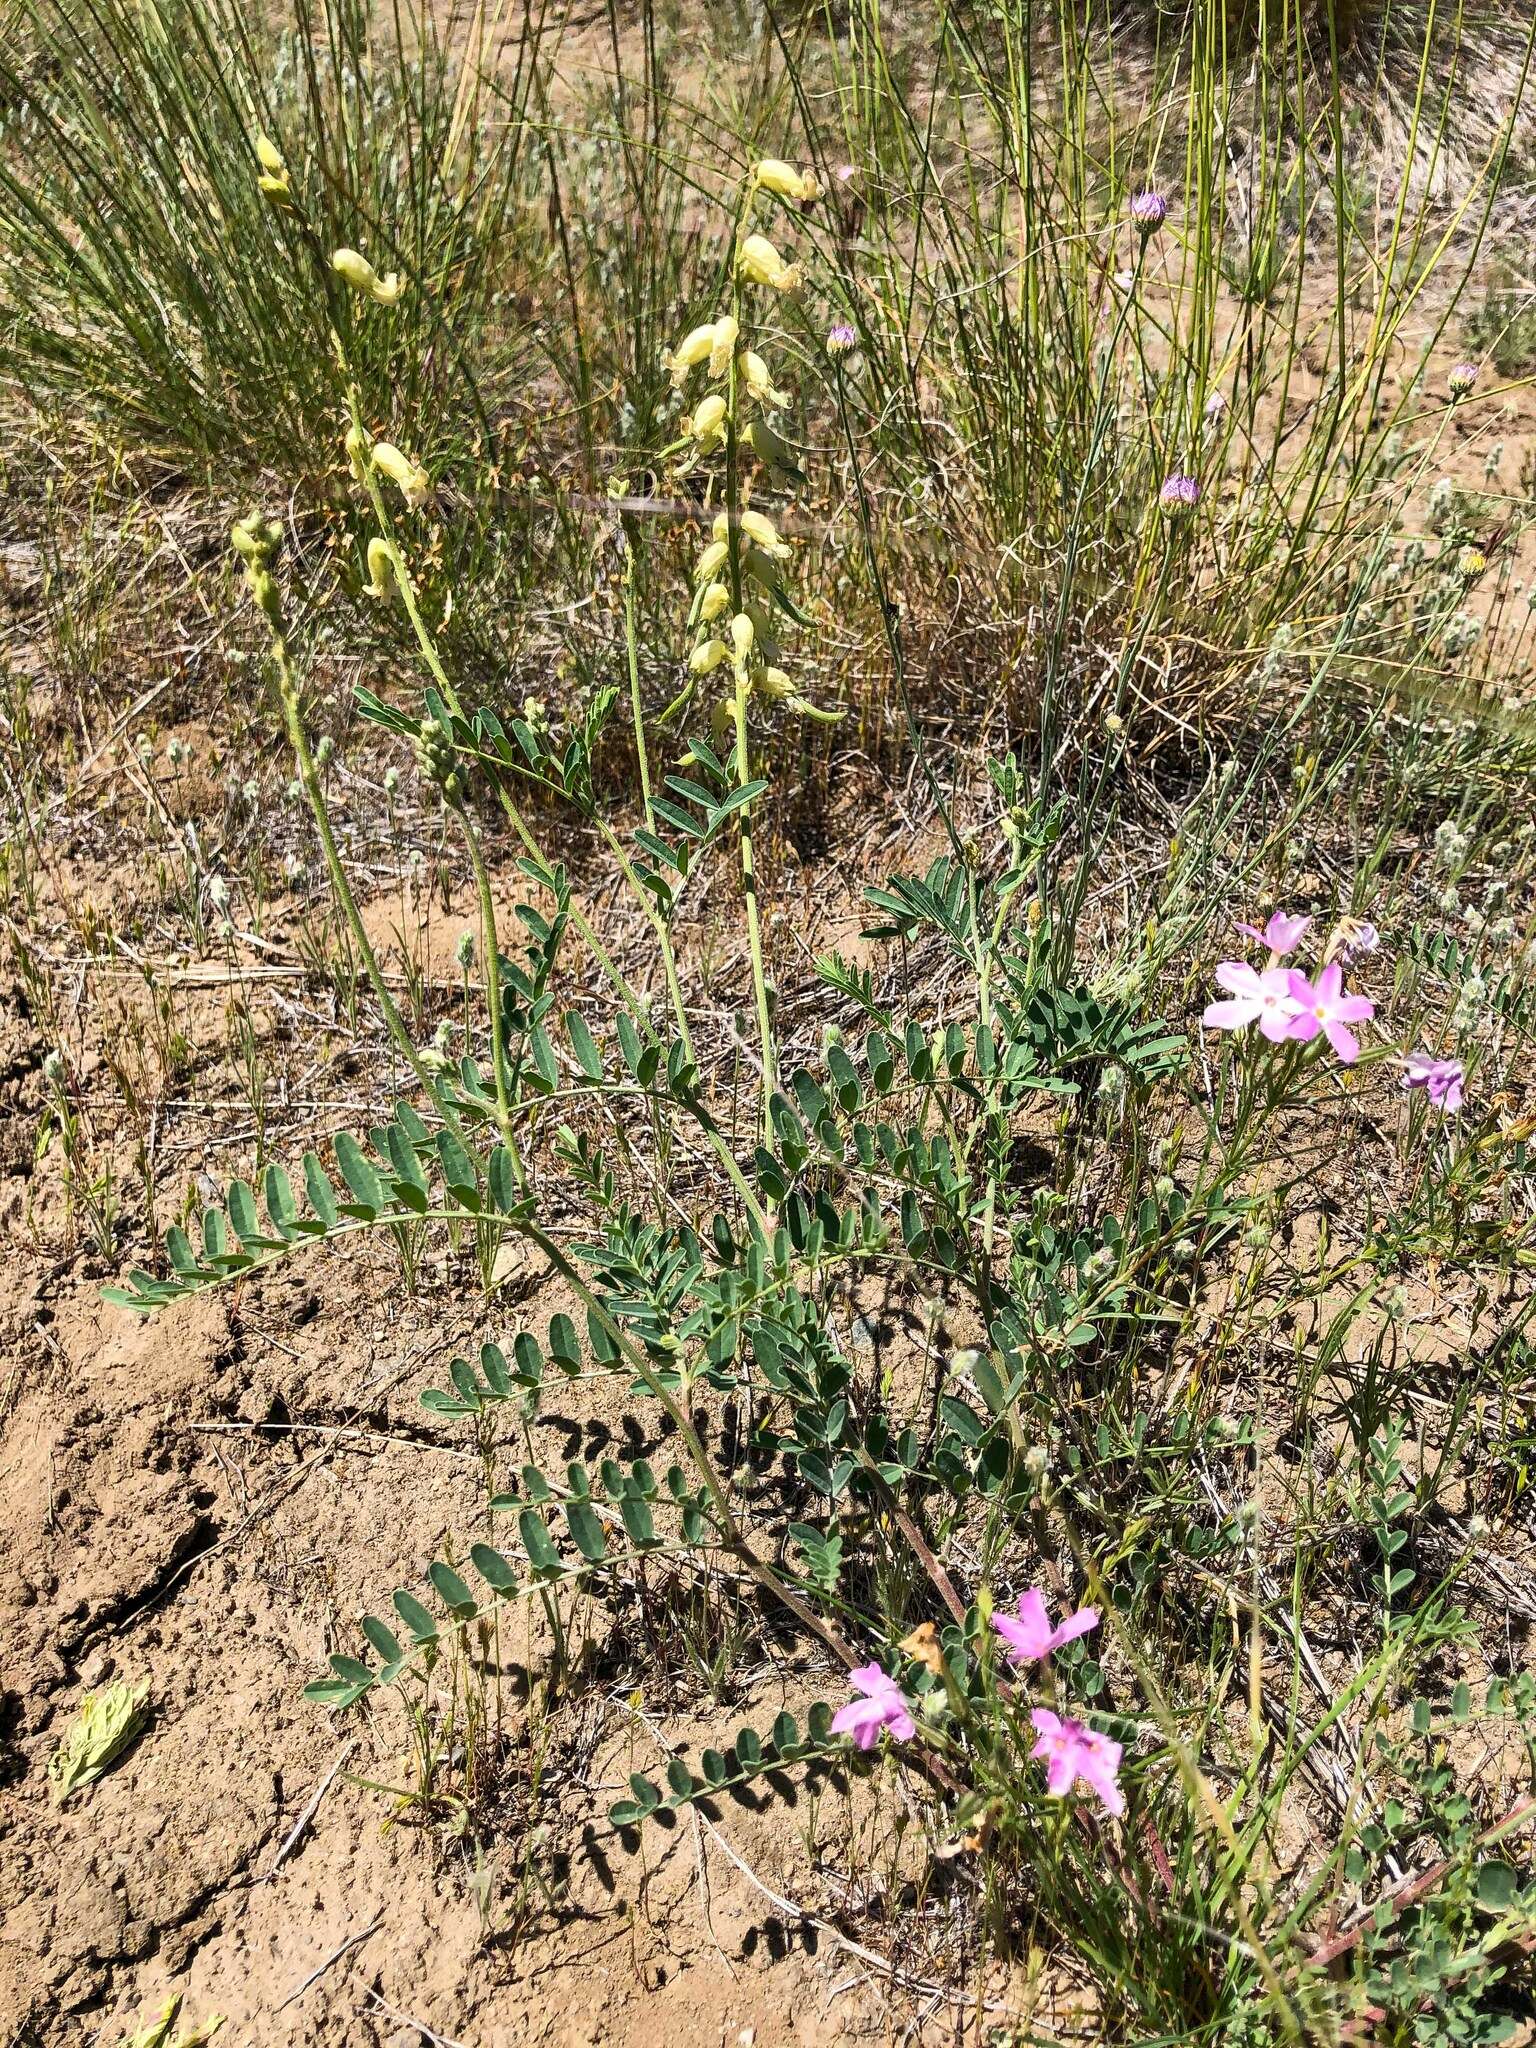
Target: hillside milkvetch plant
x,y
1035,404
741,593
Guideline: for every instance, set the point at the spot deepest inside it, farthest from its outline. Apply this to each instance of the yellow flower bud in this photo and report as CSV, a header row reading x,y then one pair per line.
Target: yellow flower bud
x,y
742,637
273,181
713,600
774,175
714,557
693,349
706,656
358,272
760,263
414,485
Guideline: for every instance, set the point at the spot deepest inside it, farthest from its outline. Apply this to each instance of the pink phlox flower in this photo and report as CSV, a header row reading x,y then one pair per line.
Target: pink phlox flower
x,y
1443,1081
884,1705
1323,1006
1029,1635
1283,933
1070,1751
1264,999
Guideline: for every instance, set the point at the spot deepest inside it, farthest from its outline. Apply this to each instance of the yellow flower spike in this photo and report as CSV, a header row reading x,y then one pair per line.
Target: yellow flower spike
x,y
358,272
706,656
381,568
759,262
725,331
714,557
782,179
693,349
713,600
754,374
412,481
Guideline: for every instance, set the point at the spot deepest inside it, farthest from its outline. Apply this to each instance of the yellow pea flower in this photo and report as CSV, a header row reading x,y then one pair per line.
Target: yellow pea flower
x,y
707,421
725,332
760,263
358,272
754,374
706,656
693,349
774,175
381,568
412,481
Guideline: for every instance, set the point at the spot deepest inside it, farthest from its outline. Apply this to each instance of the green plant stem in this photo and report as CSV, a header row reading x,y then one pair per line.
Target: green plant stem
x,y
743,694
309,777
492,985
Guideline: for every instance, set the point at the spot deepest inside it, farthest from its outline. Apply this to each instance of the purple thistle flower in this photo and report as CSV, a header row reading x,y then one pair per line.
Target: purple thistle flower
x,y
841,339
1149,210
1460,379
1179,496
1442,1080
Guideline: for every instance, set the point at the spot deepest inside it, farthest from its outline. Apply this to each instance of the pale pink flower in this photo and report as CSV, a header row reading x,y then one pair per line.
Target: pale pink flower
x,y
1323,1006
1264,999
1283,934
884,1705
1029,1635
1070,1751
1179,496
1443,1081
